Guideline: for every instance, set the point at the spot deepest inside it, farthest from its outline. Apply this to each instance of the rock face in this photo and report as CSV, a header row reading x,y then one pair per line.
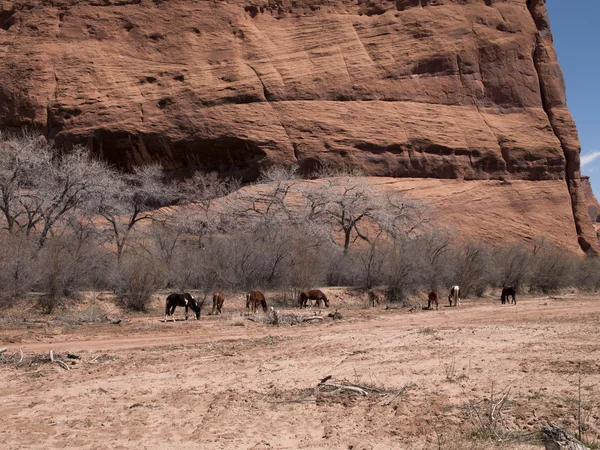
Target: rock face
x,y
591,201
467,89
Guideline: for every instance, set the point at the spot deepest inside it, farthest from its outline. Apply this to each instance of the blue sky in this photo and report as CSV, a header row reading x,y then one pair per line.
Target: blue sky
x,y
577,39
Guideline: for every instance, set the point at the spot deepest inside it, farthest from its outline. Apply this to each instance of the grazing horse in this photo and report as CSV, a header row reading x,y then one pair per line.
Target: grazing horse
x,y
174,300
454,296
509,291
375,297
218,299
433,298
312,294
255,298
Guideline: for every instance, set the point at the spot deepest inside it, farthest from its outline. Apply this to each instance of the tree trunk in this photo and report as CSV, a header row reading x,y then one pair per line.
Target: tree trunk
x,y
347,232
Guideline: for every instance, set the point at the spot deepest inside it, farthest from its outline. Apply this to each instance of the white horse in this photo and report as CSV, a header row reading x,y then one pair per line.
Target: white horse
x,y
454,296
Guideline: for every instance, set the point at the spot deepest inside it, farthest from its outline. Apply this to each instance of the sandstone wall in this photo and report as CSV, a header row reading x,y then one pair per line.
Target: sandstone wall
x,y
408,88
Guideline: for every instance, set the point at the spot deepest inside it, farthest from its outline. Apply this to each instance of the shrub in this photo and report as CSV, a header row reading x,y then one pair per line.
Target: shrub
x,y
139,280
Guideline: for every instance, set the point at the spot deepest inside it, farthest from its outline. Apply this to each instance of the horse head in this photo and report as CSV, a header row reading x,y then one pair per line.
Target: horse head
x,y
325,301
196,306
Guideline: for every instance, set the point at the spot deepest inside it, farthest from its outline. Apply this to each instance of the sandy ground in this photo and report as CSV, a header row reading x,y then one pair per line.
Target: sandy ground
x,y
229,383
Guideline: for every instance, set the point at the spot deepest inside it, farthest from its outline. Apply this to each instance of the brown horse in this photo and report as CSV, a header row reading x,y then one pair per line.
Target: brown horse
x,y
218,299
312,294
509,291
433,298
375,297
255,298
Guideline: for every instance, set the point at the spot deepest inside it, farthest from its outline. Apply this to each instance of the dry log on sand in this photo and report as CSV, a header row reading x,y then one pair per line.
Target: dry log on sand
x,y
311,318
345,388
556,438
58,361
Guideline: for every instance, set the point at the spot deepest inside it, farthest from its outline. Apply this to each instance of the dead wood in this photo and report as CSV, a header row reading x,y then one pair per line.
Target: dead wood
x,y
58,361
556,438
335,315
396,395
3,350
311,318
328,377
345,388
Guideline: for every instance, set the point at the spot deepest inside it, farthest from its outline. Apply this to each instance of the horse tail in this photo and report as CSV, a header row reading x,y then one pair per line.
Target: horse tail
x,y
248,300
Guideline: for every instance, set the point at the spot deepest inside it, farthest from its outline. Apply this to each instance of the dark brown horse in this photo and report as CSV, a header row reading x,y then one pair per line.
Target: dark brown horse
x,y
433,298
218,300
255,298
176,299
375,297
509,291
312,294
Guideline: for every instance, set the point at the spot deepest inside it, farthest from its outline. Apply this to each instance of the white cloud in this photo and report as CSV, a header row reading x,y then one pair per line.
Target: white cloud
x,y
589,157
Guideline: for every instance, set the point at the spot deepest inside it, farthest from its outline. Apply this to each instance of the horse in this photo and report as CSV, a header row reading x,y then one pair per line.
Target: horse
x,y
433,298
375,297
454,296
255,298
218,299
509,291
312,294
176,299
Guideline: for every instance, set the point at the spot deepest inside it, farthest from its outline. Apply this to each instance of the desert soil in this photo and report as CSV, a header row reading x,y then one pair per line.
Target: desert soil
x,y
230,383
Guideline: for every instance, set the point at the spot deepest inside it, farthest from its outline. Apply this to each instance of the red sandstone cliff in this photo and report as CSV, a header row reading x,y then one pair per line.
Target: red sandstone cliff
x,y
408,88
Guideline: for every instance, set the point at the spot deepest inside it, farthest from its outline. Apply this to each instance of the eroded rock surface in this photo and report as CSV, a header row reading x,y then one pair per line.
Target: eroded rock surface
x,y
408,88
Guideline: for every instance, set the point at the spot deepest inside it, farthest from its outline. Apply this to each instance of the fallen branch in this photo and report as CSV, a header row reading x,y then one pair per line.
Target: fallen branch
x,y
396,395
21,354
58,361
311,318
328,377
3,350
345,388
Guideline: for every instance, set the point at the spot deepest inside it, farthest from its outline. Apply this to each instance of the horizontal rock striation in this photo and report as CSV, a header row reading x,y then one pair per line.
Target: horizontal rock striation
x,y
466,89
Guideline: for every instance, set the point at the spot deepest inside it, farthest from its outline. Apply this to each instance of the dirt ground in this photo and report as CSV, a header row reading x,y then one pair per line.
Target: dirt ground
x,y
230,383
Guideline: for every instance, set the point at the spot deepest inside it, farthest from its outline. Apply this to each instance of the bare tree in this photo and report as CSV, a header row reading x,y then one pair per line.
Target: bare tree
x,y
22,157
41,186
203,216
349,205
513,265
471,262
131,199
265,204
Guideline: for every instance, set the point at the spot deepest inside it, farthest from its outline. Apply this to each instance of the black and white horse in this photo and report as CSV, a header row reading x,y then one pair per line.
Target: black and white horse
x,y
174,300
454,296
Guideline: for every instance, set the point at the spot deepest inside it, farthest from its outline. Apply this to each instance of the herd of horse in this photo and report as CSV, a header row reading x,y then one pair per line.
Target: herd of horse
x,y
256,299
